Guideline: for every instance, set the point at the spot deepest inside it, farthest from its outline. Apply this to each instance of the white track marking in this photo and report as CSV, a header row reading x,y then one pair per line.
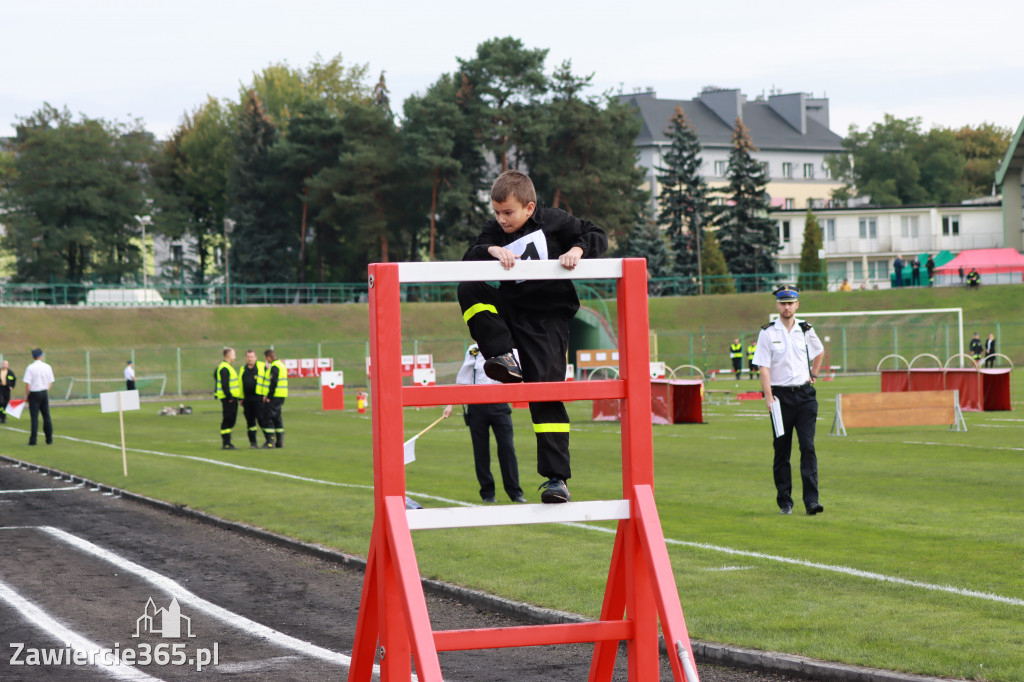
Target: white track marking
x,y
194,602
40,490
68,637
974,446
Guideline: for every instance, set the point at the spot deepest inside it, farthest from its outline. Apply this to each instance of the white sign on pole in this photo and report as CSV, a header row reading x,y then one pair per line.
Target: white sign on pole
x,y
119,401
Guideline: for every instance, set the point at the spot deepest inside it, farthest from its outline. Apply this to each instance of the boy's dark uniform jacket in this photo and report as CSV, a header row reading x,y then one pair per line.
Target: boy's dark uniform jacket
x,y
562,232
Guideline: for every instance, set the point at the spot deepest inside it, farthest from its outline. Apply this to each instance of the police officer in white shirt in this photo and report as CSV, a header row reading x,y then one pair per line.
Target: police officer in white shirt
x,y
129,376
38,380
789,356
481,419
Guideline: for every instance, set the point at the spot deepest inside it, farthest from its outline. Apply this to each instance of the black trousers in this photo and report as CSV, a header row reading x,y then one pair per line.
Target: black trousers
x,y
5,398
129,384
252,409
542,343
737,366
482,420
39,403
229,415
799,408
273,425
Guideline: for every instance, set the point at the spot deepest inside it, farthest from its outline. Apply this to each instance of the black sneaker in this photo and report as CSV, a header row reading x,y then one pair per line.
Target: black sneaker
x,y
488,500
519,499
788,509
227,446
504,368
554,491
814,508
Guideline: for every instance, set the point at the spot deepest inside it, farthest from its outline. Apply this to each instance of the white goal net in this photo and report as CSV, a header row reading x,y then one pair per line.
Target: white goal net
x,y
87,388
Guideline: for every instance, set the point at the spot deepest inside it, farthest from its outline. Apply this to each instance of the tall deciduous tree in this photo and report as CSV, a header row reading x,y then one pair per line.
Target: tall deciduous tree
x,y
810,263
683,198
983,147
714,267
581,156
72,197
502,80
747,237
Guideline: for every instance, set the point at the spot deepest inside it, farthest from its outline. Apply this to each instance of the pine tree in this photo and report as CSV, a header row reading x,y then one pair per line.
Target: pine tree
x,y
683,198
714,267
748,238
810,264
648,241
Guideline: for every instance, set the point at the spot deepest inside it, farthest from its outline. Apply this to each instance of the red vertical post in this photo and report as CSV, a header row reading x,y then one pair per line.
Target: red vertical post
x,y
637,462
388,468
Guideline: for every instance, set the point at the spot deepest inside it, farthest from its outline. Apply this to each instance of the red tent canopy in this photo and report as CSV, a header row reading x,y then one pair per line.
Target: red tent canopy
x,y
985,261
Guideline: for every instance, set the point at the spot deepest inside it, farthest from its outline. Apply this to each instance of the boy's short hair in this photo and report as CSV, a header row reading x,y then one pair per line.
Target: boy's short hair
x,y
513,183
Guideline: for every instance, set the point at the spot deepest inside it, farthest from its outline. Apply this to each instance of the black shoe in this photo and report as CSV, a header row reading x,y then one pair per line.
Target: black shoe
x,y
788,509
228,446
267,445
488,500
504,368
814,508
554,491
519,499
253,446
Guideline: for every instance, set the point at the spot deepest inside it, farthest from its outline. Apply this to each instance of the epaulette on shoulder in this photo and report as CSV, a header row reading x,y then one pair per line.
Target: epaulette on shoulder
x,y
766,326
805,326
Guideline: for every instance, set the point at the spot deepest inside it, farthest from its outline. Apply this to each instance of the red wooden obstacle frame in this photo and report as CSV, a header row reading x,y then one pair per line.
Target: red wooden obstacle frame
x,y
393,620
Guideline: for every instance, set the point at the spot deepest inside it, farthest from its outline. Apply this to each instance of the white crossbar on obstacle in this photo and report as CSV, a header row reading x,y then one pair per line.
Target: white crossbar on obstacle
x,y
517,515
491,270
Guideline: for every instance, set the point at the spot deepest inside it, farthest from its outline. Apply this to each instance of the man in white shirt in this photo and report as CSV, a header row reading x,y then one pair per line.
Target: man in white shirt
x,y
789,356
38,381
481,419
129,376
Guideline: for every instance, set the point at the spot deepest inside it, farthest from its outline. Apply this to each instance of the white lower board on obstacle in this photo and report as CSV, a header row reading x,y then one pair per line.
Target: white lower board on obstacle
x,y
517,514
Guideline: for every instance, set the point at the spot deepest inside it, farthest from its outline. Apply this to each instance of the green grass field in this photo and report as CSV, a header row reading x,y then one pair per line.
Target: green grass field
x,y
914,566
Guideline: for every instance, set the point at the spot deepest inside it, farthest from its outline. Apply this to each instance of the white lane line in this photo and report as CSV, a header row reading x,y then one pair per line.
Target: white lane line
x,y
185,597
101,657
40,490
974,446
846,570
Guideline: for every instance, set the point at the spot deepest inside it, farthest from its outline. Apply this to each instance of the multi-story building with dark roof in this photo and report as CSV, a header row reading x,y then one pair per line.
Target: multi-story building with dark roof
x,y
791,133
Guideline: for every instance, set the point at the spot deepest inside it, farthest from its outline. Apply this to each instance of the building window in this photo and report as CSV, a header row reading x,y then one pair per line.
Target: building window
x,y
950,225
828,226
808,171
878,269
177,253
721,167
908,226
858,270
789,204
785,231
868,228
787,169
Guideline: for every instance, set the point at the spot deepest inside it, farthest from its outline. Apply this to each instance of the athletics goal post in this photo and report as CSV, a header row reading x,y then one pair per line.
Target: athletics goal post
x,y
86,388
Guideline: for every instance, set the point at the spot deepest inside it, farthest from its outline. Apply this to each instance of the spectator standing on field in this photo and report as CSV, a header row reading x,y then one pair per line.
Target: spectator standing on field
x,y
38,382
789,355
930,267
897,266
532,316
7,382
273,401
915,272
228,390
252,401
975,347
990,351
736,355
129,376
481,420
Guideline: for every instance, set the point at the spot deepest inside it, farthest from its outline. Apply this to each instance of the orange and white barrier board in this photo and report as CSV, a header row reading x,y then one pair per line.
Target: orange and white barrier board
x,y
332,390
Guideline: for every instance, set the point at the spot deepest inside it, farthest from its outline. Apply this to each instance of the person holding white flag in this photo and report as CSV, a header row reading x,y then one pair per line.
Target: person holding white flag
x,y
789,356
7,382
38,381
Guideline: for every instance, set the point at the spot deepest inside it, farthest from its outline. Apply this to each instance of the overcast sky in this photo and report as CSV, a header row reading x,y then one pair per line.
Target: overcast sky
x,y
949,62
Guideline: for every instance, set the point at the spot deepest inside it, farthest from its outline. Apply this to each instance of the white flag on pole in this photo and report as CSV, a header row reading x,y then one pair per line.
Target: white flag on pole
x,y
410,449
14,408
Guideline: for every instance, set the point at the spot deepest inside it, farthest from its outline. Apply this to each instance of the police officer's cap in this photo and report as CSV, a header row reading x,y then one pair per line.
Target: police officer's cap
x,y
786,293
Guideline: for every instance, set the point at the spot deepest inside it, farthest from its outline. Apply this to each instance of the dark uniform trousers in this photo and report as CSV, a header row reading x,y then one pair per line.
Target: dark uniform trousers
x,y
542,342
39,403
273,424
496,417
252,408
799,407
229,415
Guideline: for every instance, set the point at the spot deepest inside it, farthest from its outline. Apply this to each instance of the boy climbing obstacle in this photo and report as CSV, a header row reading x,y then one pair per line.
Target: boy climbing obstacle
x,y
531,316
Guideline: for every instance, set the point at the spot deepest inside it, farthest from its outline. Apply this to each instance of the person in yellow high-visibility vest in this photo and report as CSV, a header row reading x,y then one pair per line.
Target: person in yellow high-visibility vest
x,y
253,390
736,355
228,390
277,390
751,367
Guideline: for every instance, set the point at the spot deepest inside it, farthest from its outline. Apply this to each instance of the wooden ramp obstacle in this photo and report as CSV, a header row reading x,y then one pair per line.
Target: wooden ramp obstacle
x,y
916,408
